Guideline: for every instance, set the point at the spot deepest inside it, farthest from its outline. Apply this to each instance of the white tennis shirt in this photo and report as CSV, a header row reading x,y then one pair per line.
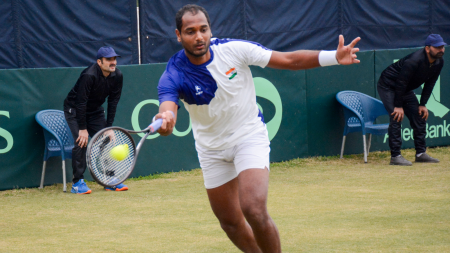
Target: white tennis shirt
x,y
219,94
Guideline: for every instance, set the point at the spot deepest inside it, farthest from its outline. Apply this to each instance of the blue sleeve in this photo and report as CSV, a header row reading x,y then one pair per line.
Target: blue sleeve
x,y
167,89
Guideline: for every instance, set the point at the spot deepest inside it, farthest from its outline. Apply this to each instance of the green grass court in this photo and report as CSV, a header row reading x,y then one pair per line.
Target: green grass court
x,y
319,204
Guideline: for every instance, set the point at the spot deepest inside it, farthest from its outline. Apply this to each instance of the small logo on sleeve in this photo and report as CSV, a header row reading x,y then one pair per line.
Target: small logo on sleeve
x,y
231,73
198,89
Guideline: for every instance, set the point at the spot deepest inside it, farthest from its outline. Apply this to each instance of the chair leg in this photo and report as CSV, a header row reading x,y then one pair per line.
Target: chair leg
x,y
343,144
64,175
43,175
365,148
370,142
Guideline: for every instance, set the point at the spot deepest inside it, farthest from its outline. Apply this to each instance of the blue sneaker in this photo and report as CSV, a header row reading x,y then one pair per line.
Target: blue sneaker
x,y
80,187
118,188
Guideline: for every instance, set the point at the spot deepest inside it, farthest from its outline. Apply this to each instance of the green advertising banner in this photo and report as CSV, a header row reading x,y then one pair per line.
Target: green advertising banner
x,y
23,93
26,92
281,95
300,109
325,114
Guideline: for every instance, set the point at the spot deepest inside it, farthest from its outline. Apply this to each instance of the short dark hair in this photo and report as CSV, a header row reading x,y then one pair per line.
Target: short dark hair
x,y
192,8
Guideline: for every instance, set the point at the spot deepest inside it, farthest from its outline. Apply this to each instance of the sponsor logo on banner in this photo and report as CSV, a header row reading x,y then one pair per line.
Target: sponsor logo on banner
x,y
6,135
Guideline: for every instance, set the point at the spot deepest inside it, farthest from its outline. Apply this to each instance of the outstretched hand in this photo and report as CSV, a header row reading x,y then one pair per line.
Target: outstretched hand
x,y
346,55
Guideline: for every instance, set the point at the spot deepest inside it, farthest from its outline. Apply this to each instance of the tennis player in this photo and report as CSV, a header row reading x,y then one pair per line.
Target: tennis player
x,y
84,112
213,79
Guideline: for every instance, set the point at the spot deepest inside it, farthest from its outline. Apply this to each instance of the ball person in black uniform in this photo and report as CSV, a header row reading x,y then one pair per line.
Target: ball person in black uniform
x,y
86,116
396,88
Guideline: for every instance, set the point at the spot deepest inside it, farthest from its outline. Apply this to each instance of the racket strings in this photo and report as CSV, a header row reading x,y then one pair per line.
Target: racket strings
x,y
105,168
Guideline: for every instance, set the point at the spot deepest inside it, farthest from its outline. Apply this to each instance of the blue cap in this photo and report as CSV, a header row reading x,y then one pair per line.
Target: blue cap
x,y
106,52
435,40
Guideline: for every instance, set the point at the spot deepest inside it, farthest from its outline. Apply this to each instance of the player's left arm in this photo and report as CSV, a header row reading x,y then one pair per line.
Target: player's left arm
x,y
307,59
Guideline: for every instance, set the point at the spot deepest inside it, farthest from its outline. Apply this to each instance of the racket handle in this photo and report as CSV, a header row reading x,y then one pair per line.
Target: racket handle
x,y
157,124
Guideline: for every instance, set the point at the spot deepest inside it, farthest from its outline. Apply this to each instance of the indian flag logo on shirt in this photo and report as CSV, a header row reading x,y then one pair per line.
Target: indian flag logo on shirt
x,y
233,73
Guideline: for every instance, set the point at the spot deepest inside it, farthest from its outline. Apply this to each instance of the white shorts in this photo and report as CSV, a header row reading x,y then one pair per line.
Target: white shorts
x,y
221,166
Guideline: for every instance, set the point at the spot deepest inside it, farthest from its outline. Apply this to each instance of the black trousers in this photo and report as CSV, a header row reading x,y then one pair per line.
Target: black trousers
x,y
95,122
411,109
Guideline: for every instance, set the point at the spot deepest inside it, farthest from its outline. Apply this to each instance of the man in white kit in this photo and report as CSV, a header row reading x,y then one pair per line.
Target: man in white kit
x,y
213,79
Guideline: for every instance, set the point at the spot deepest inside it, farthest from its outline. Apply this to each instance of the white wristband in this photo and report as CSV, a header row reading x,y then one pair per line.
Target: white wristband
x,y
327,58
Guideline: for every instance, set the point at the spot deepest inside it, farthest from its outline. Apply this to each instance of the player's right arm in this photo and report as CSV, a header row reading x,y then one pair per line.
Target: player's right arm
x,y
168,96
165,112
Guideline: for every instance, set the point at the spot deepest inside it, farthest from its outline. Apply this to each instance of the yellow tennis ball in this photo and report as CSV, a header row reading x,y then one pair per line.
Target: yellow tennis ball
x,y
120,152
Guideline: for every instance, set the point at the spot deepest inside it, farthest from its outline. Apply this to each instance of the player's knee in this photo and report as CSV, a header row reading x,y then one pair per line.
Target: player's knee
x,y
229,226
255,214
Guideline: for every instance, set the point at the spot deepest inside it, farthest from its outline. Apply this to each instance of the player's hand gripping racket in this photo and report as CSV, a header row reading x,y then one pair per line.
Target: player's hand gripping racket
x,y
111,154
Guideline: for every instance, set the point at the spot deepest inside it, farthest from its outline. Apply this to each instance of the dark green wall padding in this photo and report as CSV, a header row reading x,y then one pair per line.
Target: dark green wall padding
x,y
300,109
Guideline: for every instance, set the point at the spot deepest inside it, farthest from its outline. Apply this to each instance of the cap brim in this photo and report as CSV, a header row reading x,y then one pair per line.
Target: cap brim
x,y
109,56
439,44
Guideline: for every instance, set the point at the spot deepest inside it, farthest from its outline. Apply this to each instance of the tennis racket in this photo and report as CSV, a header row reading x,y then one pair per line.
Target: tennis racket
x,y
106,170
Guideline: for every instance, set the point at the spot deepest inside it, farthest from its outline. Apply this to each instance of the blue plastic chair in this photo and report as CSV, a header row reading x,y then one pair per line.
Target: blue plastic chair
x,y
58,139
360,112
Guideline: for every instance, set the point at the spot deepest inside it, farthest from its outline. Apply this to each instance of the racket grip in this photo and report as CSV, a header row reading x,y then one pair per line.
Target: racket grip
x,y
157,124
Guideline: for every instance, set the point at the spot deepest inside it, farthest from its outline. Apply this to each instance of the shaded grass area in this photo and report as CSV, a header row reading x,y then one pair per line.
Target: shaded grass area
x,y
321,204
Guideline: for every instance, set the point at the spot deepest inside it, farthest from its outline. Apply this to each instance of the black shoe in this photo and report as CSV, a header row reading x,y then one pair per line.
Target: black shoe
x,y
400,160
425,158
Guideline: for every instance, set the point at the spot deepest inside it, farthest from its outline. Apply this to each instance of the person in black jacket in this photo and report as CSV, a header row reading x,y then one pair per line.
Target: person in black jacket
x,y
396,89
84,112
